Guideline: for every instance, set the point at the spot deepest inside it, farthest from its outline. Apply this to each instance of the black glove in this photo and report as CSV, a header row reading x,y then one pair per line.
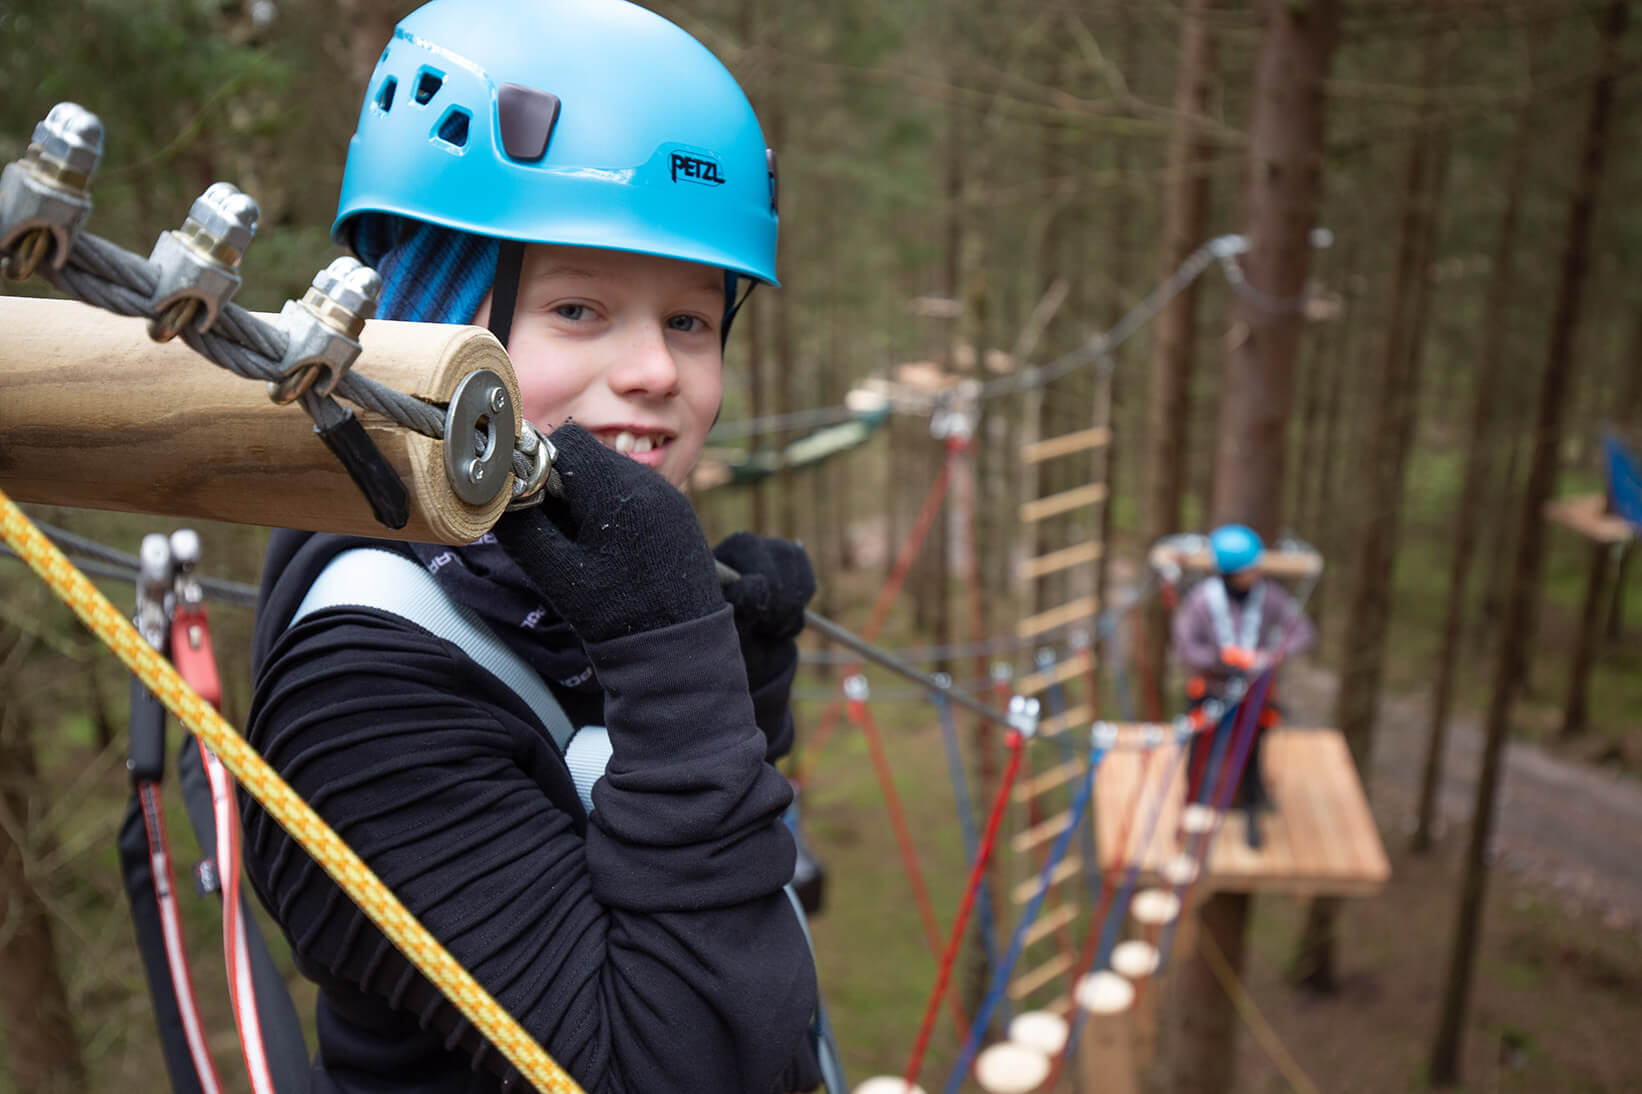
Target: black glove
x,y
776,583
621,553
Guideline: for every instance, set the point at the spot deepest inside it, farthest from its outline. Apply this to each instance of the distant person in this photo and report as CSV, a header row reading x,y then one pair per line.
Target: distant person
x,y
1232,626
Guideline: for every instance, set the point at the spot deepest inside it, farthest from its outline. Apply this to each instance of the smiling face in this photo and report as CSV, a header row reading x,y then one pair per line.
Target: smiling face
x,y
627,346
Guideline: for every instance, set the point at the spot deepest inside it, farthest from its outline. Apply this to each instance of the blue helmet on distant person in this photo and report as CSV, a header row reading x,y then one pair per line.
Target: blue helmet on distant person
x,y
590,123
1236,548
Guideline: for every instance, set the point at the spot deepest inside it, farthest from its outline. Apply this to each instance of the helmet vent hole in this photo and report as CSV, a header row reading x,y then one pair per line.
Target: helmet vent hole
x,y
453,127
427,86
384,96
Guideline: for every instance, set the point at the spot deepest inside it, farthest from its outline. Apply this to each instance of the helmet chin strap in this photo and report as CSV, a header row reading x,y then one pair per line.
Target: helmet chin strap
x,y
504,290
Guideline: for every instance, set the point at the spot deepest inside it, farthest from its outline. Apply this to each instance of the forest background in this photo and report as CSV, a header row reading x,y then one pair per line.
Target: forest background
x,y
946,167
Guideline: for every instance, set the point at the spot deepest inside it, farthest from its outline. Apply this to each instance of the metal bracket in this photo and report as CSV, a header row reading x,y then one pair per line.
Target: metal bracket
x,y
478,470
45,197
197,268
322,330
1023,716
530,491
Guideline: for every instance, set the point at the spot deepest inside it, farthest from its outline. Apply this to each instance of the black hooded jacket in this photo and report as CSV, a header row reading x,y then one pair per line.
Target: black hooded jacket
x,y
648,948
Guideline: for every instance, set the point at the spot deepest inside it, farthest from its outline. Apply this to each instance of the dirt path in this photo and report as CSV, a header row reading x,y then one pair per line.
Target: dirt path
x,y
1568,826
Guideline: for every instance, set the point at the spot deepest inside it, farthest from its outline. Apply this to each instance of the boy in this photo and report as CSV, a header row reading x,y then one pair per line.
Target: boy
x,y
586,180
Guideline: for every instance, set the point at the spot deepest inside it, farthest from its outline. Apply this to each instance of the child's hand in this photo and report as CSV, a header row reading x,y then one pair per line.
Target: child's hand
x,y
776,583
620,553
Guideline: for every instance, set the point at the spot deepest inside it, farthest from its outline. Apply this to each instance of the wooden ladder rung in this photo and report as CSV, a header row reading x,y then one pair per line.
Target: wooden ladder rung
x,y
1027,983
1045,781
1063,559
1079,716
1038,682
1067,867
1084,607
1050,922
1040,833
1065,444
1063,502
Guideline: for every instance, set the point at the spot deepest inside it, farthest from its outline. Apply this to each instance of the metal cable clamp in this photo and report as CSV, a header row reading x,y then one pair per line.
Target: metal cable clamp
x,y
197,267
45,196
322,329
532,489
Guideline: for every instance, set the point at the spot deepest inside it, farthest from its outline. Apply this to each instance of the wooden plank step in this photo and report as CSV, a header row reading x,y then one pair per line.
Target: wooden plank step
x,y
1045,781
1063,502
1050,922
1029,982
1040,833
1078,717
1063,559
1068,867
1083,608
1065,444
1037,683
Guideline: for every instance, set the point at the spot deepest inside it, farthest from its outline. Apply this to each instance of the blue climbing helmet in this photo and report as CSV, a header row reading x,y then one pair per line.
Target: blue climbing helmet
x,y
1236,547
590,123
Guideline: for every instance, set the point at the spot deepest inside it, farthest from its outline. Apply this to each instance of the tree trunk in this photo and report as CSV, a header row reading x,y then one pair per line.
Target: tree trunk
x,y
1555,384
43,1053
370,26
1284,186
1174,342
1479,458
1585,642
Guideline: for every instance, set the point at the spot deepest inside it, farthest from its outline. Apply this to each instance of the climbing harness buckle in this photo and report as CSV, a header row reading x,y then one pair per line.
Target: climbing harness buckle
x,y
322,329
45,196
1023,716
197,266
531,490
480,424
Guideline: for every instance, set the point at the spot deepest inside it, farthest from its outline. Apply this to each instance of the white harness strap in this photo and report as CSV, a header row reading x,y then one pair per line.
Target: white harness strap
x,y
1247,635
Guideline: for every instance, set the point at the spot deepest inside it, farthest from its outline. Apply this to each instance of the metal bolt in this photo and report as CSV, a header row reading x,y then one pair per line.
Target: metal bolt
x,y
476,471
498,400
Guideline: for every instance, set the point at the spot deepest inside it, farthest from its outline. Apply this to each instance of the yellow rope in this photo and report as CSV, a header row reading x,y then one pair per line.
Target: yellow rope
x,y
296,816
1257,1023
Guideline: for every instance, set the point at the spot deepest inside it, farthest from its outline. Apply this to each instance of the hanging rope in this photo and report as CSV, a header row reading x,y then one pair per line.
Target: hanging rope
x,y
861,717
977,875
966,821
1000,978
291,811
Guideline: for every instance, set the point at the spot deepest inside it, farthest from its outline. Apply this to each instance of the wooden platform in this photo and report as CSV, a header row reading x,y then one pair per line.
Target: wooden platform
x,y
1587,515
1273,563
1319,840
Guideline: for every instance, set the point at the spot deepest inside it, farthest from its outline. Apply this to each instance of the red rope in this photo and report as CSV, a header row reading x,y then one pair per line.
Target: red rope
x,y
863,720
880,611
977,874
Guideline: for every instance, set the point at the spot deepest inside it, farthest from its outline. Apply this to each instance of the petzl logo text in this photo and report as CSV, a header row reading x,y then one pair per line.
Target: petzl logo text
x,y
697,170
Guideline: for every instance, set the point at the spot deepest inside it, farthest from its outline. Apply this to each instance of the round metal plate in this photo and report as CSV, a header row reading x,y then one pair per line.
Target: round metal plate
x,y
478,469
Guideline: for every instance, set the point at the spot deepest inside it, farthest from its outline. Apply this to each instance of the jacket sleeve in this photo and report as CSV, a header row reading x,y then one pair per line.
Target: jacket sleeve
x,y
655,943
1193,632
1286,625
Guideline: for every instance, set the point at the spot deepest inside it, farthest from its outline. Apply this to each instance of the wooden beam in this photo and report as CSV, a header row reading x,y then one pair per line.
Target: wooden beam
x,y
1063,502
1050,922
1065,444
1045,781
1068,867
1079,715
1289,565
1040,833
1588,516
1084,607
1063,559
1044,974
1070,669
